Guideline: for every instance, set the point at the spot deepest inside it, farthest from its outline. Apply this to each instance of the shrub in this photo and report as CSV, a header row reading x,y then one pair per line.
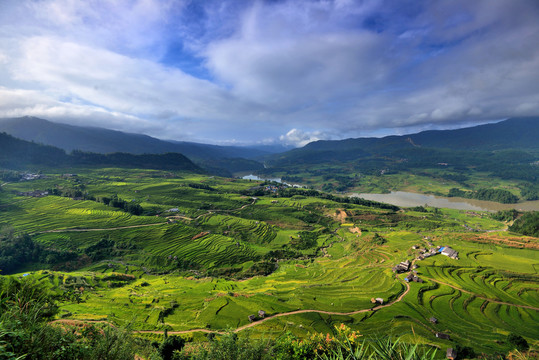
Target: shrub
x,y
518,342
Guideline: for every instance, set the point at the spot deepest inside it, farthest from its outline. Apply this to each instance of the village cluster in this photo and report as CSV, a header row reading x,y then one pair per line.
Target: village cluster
x,y
423,254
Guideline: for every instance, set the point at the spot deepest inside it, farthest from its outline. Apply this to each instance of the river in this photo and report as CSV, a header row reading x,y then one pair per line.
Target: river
x,y
408,199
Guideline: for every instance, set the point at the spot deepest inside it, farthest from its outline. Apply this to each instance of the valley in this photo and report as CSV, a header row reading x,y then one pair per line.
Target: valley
x,y
206,254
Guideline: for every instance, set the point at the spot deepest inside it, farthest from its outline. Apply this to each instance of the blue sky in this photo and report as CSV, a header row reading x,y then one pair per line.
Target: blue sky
x,y
237,72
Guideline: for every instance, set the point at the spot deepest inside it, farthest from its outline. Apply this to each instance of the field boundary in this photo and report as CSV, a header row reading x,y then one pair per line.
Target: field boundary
x,y
484,298
107,229
255,323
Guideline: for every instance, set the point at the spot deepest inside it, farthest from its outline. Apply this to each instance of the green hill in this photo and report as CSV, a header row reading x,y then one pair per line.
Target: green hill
x,y
99,140
437,160
20,154
517,134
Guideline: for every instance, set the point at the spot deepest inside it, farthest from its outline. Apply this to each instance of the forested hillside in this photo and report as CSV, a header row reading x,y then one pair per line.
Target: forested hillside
x,y
19,154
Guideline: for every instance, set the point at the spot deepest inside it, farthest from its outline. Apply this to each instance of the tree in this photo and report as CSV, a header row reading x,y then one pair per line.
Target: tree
x,y
170,345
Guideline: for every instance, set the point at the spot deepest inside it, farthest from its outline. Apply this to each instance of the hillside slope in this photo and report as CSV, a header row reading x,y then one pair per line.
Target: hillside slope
x,y
20,154
100,140
516,134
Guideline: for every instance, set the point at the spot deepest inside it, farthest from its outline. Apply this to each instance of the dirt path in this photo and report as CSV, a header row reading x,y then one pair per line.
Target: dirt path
x,y
114,228
268,318
296,312
484,298
241,328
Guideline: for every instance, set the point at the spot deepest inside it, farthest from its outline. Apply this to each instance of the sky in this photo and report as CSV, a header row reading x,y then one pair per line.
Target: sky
x,y
269,72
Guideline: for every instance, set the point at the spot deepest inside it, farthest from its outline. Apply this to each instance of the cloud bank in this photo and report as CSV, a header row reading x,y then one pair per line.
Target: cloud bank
x,y
291,71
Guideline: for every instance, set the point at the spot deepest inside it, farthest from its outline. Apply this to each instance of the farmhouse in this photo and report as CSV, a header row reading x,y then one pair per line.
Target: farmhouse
x,y
402,267
261,313
414,278
447,251
451,354
29,177
35,193
377,300
251,318
442,336
433,320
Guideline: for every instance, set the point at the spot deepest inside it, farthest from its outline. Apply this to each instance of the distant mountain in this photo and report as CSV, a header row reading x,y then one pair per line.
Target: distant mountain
x,y
103,141
515,134
20,154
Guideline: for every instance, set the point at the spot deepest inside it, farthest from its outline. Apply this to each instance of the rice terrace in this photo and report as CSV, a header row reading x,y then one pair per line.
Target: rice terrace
x,y
269,180
217,255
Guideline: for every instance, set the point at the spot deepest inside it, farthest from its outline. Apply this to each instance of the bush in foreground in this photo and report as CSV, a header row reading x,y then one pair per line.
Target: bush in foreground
x,y
27,306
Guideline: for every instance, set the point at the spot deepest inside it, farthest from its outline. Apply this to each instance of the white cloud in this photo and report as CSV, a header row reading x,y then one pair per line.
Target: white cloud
x,y
300,138
340,67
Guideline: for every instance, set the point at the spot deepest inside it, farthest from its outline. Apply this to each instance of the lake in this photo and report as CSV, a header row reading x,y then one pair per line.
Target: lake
x,y
408,199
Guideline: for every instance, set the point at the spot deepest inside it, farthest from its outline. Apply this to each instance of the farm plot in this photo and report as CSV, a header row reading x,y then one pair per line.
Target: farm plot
x,y
254,231
208,250
53,213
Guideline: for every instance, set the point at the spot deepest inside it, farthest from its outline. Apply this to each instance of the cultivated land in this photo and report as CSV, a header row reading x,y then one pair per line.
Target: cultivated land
x,y
220,251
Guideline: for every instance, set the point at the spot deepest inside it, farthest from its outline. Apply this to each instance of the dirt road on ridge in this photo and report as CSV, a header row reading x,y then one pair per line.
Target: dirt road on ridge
x,y
268,318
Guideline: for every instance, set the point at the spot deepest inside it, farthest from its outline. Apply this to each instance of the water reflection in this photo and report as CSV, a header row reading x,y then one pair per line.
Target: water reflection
x,y
408,199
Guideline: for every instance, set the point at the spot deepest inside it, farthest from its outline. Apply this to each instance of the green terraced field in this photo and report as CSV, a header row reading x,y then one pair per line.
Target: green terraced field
x,y
219,255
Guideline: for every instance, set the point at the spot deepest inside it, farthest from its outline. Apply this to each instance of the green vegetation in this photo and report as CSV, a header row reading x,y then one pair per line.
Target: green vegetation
x,y
498,195
506,215
500,166
527,224
206,253
25,333
19,154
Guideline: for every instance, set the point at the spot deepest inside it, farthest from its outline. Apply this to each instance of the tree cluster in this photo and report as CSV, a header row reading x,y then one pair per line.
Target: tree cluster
x,y
497,195
18,250
527,224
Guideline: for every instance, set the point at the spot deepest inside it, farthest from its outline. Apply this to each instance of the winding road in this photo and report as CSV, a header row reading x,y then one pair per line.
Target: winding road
x,y
255,323
296,312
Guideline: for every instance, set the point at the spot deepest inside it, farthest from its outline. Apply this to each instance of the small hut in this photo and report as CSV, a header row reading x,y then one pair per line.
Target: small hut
x,y
261,314
251,318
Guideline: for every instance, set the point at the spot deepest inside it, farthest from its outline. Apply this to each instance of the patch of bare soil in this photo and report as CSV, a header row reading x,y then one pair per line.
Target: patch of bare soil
x,y
523,242
355,230
340,215
199,235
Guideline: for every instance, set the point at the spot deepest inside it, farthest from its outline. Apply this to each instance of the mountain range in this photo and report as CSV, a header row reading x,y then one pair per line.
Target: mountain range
x,y
103,141
516,134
